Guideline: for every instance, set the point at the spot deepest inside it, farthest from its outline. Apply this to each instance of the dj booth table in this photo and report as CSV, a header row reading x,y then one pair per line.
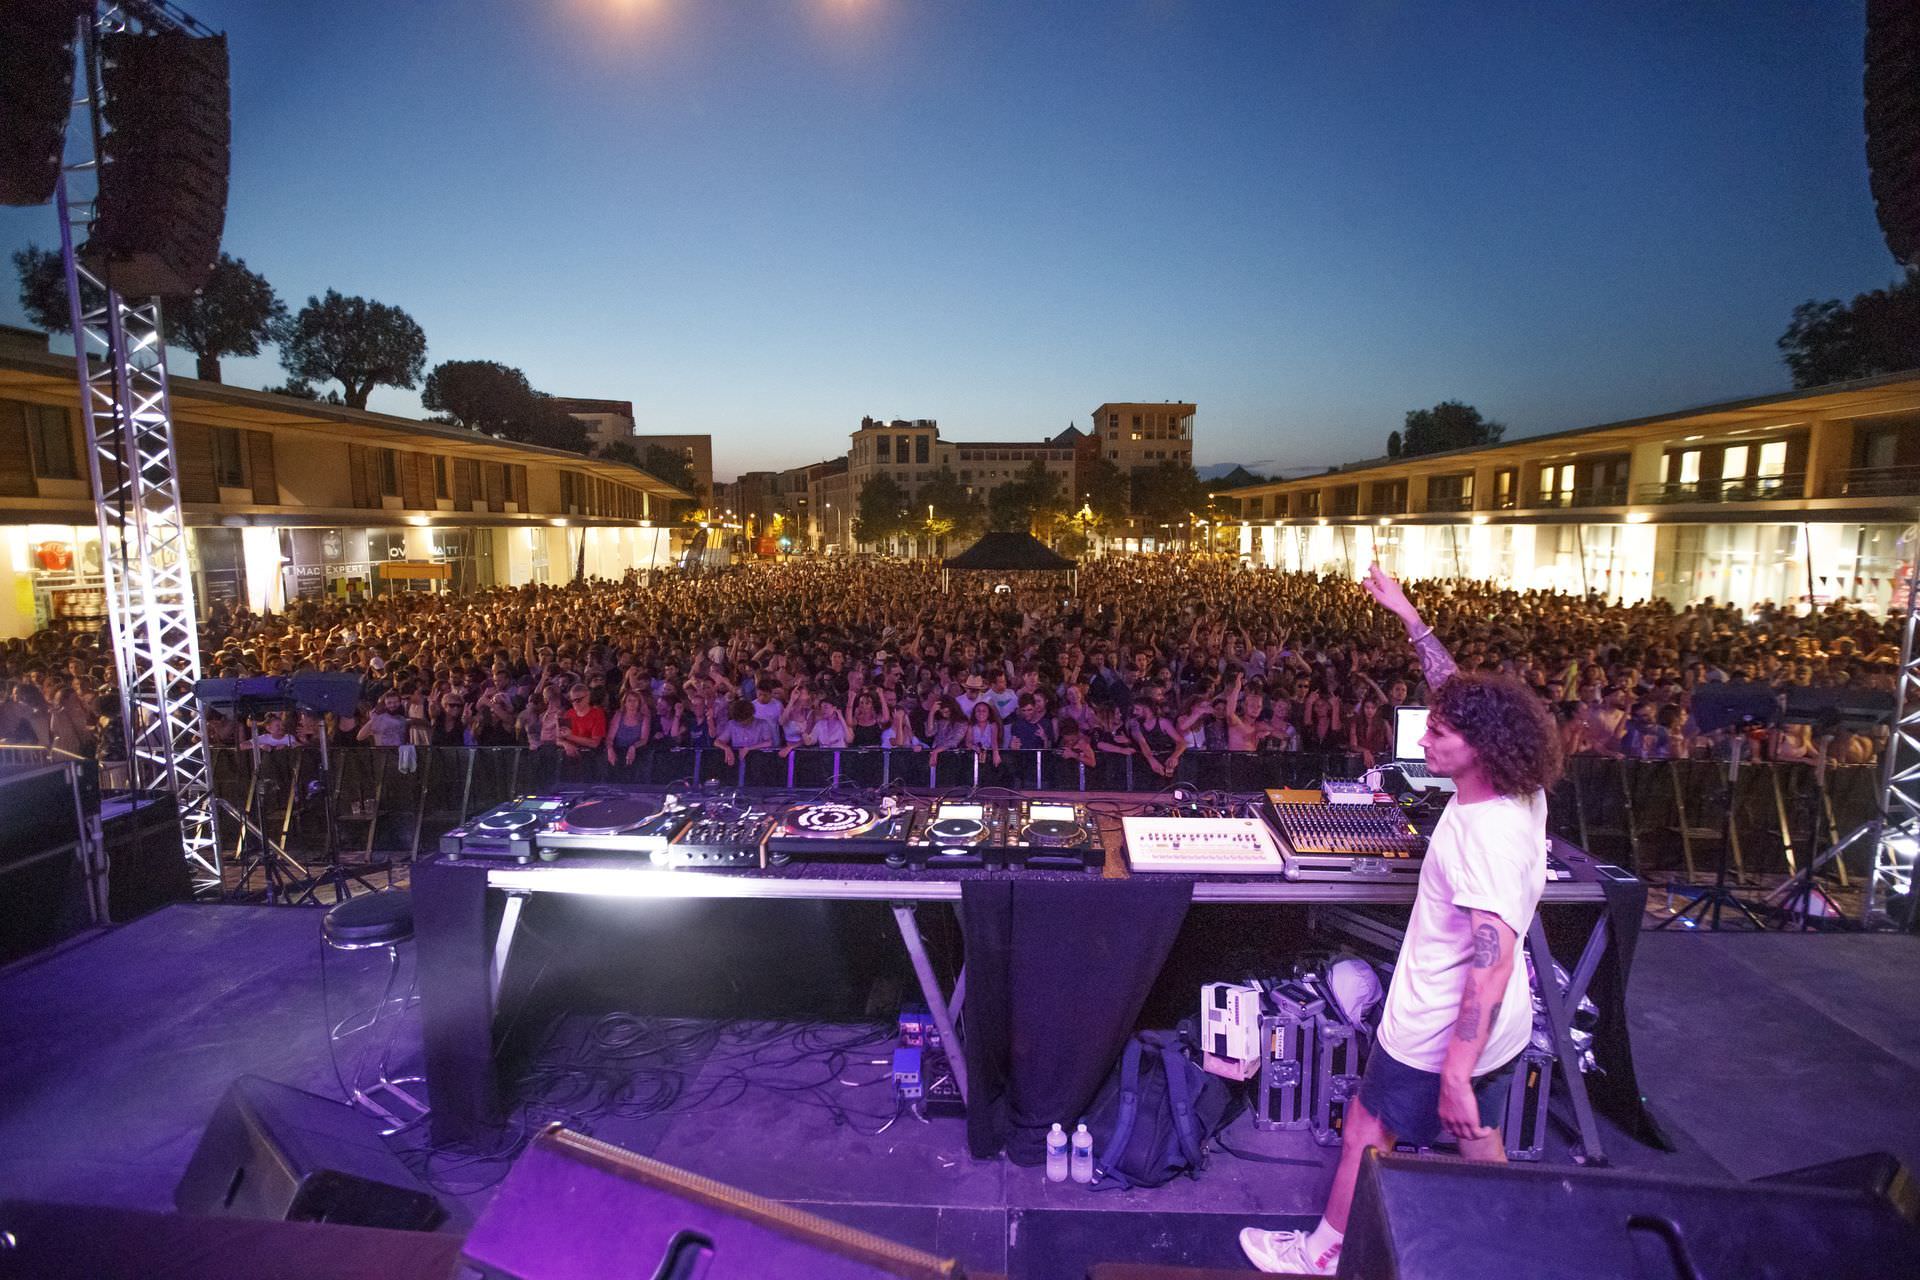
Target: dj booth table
x,y
463,958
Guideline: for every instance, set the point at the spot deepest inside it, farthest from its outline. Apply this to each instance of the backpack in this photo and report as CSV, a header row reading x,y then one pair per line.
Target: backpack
x,y
1152,1118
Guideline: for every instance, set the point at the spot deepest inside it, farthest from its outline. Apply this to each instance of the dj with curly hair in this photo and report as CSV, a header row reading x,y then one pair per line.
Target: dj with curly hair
x,y
1458,1012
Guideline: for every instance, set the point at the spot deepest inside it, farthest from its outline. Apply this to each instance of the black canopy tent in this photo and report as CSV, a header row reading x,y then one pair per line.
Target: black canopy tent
x,y
1009,553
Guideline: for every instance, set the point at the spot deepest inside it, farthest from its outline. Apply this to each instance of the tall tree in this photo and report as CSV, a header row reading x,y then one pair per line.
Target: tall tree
x,y
1876,333
880,510
234,314
670,465
620,451
1106,489
1034,497
1169,493
357,342
1448,425
480,395
953,502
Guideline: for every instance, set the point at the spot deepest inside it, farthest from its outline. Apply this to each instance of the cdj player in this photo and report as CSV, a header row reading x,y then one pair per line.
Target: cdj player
x,y
1056,836
508,831
843,831
959,835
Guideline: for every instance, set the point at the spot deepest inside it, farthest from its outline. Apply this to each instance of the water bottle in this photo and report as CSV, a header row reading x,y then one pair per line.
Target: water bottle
x,y
1082,1155
1056,1155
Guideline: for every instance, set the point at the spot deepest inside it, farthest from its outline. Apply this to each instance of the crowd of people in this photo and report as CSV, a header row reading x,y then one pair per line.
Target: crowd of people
x,y
1146,656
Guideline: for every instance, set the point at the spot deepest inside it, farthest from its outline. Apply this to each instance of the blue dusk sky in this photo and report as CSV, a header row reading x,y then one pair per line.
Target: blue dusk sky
x,y
765,218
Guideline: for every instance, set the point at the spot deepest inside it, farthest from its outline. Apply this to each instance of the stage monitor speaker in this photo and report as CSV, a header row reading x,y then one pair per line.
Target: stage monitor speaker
x,y
273,1151
146,863
43,892
1879,1172
1438,1218
36,95
164,163
572,1208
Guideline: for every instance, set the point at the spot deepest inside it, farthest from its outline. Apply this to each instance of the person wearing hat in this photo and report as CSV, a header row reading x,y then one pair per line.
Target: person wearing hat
x,y
975,691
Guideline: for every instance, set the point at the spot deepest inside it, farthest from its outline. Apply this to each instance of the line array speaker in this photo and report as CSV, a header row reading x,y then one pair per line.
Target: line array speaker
x,y
36,95
1893,122
165,157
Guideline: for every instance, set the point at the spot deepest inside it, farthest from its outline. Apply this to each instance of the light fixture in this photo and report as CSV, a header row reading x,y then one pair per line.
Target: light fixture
x,y
1482,518
1639,517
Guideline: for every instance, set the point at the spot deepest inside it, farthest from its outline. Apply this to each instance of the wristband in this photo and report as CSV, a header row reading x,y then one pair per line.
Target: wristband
x,y
1416,639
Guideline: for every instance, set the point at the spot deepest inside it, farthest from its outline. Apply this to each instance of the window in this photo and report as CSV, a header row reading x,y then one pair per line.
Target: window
x,y
920,449
1113,422
1733,463
885,453
389,473
441,487
229,462
1690,467
900,449
50,441
1773,459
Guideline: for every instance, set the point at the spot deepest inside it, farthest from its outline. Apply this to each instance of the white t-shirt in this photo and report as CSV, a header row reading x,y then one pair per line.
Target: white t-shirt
x,y
1489,856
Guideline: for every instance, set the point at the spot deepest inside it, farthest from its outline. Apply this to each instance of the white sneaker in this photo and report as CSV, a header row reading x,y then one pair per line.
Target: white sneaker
x,y
1285,1253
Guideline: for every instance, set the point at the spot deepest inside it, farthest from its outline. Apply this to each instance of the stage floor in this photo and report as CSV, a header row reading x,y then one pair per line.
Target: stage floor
x,y
1756,1053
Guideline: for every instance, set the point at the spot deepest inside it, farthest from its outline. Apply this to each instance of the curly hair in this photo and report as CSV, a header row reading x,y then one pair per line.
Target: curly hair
x,y
1507,726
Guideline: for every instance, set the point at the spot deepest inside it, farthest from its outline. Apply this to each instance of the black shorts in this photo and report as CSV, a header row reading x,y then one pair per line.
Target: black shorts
x,y
1406,1100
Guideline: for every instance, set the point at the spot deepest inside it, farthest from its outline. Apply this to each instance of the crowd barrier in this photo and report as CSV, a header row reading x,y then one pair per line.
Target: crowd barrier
x,y
1666,819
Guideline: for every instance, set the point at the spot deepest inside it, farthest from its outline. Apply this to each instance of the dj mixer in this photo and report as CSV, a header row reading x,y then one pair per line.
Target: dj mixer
x,y
1338,841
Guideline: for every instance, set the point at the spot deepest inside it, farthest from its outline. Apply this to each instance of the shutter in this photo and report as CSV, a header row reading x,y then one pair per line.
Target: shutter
x,y
358,470
520,487
16,458
462,483
493,475
416,481
266,486
194,443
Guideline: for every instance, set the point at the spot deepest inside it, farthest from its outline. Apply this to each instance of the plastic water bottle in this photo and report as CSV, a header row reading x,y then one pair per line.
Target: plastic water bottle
x,y
1056,1154
1082,1155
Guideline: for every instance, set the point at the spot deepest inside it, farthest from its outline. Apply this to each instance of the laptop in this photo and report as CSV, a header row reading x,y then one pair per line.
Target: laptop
x,y
1409,726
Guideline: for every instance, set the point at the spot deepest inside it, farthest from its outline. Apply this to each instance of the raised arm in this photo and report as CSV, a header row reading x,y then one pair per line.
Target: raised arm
x,y
1435,661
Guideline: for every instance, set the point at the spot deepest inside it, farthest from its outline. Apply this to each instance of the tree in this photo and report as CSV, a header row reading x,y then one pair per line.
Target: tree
x,y
234,314
1107,490
670,465
300,389
1876,333
1393,444
480,395
620,451
1448,425
1035,496
953,502
880,512
359,343
1168,493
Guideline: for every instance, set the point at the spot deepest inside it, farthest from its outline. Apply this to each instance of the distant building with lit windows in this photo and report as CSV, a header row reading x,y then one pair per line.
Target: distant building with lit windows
x,y
1806,494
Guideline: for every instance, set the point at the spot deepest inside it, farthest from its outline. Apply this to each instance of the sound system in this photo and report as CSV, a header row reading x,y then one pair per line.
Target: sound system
x,y
1438,1218
36,95
273,1151
43,891
573,1208
164,162
146,863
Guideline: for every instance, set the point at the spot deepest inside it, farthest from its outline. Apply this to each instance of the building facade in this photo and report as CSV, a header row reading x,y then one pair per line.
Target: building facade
x,y
1138,437
289,498
1805,496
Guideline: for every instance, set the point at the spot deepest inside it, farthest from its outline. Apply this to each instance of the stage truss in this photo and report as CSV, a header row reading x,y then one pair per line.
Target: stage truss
x,y
1890,887
144,541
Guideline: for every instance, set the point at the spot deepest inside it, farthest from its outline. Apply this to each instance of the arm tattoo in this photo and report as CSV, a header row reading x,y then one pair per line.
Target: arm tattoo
x,y
1493,1018
1486,946
1467,1027
1435,662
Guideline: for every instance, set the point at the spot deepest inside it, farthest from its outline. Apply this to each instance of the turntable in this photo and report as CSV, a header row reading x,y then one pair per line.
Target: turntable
x,y
960,835
613,822
509,831
842,830
1055,835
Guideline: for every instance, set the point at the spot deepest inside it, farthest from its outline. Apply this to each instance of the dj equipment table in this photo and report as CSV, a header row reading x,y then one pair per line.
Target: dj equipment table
x,y
461,967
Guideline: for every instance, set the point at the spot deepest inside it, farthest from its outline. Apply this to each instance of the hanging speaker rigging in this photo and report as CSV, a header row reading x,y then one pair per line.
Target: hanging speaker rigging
x,y
164,161
36,95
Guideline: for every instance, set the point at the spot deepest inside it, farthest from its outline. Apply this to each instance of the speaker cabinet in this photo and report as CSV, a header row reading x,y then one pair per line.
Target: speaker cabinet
x,y
576,1209
273,1151
1437,1218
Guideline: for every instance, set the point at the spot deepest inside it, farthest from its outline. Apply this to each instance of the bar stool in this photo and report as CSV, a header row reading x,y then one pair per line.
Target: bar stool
x,y
380,921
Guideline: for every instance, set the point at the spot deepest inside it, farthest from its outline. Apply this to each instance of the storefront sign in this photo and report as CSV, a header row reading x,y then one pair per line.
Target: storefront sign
x,y
414,569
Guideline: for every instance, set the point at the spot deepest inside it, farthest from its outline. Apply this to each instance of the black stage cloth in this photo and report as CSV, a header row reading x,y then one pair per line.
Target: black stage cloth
x,y
1057,972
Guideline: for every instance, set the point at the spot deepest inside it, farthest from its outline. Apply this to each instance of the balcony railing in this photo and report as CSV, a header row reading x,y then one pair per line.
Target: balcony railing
x,y
1450,502
1597,495
1740,489
1881,482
